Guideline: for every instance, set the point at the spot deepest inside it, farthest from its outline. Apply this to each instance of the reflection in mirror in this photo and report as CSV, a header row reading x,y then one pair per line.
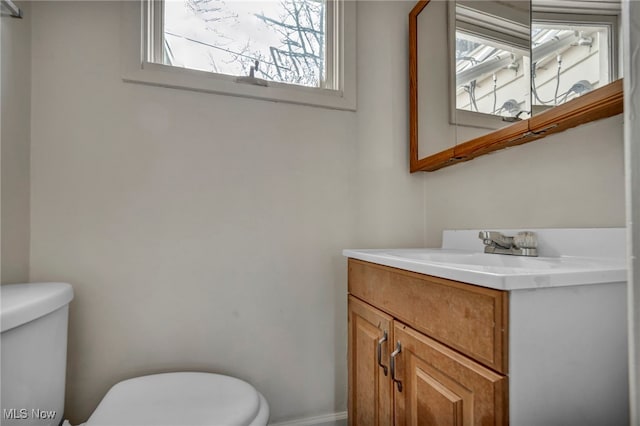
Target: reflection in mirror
x,y
492,42
574,51
491,55
431,77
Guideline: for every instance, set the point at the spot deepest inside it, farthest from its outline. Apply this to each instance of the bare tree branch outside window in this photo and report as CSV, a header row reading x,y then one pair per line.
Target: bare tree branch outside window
x,y
287,37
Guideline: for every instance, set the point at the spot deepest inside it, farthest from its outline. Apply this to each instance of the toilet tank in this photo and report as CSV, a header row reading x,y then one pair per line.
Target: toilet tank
x,y
33,349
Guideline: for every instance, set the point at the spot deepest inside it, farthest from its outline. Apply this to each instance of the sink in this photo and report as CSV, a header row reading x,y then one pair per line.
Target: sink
x,y
497,262
498,271
478,259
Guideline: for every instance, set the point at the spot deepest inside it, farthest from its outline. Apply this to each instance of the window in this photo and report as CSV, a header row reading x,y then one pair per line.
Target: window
x,y
570,59
299,51
515,59
491,78
286,38
491,42
574,49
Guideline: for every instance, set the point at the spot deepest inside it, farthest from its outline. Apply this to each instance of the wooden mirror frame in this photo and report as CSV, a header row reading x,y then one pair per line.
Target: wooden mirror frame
x,y
600,103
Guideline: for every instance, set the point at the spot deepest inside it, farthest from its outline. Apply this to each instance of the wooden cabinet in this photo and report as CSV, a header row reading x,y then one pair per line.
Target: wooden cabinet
x,y
467,318
370,391
449,344
442,387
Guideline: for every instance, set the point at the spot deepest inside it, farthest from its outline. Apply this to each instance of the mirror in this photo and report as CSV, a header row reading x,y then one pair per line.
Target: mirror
x,y
490,58
517,71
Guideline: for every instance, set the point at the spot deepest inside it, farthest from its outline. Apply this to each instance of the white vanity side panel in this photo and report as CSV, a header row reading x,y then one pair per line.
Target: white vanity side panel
x,y
568,356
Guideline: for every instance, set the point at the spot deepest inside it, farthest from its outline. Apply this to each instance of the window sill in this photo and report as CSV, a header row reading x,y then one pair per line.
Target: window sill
x,y
202,81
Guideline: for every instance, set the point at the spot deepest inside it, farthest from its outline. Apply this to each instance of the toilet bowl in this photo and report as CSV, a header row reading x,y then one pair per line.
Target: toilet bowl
x,y
34,341
190,398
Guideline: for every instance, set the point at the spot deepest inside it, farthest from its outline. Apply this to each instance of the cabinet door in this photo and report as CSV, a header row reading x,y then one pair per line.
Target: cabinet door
x,y
442,387
370,392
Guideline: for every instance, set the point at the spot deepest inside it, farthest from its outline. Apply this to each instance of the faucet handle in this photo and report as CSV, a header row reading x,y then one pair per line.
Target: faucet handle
x,y
484,235
526,239
489,236
494,238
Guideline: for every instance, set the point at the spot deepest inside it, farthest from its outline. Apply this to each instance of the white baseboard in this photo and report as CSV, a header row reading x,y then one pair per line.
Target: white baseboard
x,y
333,419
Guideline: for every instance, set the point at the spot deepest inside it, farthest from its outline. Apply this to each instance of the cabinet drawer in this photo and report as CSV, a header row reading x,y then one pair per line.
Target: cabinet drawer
x,y
468,318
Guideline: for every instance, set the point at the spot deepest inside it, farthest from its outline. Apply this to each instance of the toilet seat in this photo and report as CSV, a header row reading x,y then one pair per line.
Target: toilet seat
x,y
171,399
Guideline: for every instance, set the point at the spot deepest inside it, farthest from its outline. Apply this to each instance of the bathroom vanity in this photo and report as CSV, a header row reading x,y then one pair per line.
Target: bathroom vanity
x,y
456,336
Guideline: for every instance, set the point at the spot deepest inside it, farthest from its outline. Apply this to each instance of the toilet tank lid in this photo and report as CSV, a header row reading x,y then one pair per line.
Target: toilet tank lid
x,y
22,303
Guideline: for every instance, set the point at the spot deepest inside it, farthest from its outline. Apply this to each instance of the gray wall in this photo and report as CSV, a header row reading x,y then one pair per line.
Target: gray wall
x,y
568,180
14,136
204,232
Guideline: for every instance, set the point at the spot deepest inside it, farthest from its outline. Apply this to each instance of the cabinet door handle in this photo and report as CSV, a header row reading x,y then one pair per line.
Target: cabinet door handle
x,y
380,342
394,354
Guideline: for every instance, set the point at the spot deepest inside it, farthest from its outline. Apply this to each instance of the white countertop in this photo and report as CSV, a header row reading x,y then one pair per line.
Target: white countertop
x,y
456,261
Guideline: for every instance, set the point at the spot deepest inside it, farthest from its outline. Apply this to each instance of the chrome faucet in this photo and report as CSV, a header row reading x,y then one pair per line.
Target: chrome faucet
x,y
522,244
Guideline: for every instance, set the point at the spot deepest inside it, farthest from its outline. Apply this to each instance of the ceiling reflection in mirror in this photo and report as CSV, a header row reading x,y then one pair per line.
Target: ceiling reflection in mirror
x,y
492,61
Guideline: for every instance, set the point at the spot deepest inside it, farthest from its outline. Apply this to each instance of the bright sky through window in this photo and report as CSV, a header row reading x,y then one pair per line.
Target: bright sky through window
x,y
287,37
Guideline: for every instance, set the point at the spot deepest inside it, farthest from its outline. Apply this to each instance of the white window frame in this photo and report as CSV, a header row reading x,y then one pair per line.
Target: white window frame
x,y
140,19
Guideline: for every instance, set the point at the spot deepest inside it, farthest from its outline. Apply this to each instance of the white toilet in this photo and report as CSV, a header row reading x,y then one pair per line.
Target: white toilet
x,y
34,349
